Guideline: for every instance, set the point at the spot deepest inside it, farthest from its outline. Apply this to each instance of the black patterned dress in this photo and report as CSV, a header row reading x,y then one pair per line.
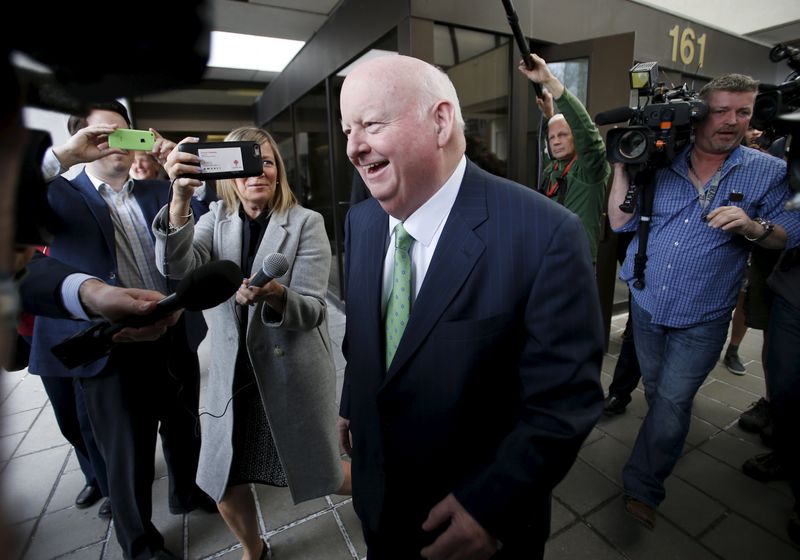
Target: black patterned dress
x,y
255,457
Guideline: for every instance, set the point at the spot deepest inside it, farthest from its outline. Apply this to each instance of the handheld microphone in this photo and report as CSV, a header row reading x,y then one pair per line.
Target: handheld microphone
x,y
205,287
274,266
620,114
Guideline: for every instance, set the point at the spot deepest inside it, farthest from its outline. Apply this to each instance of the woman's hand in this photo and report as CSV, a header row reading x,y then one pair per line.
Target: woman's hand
x,y
273,293
180,163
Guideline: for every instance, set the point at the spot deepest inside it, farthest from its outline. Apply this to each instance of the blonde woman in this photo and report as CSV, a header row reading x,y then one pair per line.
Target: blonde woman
x,y
270,400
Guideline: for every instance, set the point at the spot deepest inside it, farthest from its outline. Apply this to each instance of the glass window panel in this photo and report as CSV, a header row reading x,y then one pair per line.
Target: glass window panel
x,y
313,185
443,52
473,43
574,74
479,71
281,130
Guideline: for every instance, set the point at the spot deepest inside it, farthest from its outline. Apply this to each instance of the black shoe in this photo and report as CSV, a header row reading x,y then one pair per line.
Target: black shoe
x,y
765,467
88,496
615,405
755,418
201,501
734,363
105,510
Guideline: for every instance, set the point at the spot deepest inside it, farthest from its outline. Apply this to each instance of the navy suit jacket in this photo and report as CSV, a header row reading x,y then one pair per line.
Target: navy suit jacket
x,y
496,381
85,241
40,286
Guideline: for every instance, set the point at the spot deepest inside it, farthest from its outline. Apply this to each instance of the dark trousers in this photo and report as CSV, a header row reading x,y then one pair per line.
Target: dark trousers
x,y
144,385
400,535
378,549
627,372
66,396
783,385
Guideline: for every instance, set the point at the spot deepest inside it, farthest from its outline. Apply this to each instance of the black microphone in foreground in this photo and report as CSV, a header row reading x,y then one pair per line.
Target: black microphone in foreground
x,y
620,114
205,287
274,266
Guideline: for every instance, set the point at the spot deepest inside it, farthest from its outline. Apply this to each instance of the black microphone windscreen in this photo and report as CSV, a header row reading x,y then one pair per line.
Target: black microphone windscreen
x,y
620,114
209,285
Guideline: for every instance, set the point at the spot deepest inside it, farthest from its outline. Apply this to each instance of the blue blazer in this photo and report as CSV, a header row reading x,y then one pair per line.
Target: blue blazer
x,y
85,241
40,286
496,381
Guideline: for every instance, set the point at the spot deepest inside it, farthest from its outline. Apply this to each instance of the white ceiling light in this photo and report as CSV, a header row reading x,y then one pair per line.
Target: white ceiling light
x,y
250,52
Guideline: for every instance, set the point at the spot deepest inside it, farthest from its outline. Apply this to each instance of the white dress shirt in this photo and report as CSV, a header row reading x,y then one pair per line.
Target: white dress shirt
x,y
425,225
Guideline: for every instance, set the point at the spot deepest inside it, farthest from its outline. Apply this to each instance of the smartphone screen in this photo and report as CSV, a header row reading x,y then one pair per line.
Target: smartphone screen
x,y
225,160
130,139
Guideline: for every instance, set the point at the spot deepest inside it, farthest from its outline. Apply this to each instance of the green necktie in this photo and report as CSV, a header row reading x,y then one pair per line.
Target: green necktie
x,y
399,305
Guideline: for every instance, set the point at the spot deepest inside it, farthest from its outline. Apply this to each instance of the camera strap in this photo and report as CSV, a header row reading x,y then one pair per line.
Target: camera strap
x,y
705,196
560,184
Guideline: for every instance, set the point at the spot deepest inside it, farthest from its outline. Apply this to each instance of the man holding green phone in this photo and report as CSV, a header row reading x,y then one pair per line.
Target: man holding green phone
x,y
106,233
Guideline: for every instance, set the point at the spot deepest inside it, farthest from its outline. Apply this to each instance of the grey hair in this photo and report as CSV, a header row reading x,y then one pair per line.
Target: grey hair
x,y
436,86
557,117
735,83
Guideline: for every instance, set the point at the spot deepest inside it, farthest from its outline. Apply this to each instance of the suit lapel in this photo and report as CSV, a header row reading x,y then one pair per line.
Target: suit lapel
x,y
99,209
228,246
271,242
457,251
229,237
273,239
376,238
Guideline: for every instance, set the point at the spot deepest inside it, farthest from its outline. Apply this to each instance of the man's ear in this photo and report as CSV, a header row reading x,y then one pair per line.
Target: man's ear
x,y
444,119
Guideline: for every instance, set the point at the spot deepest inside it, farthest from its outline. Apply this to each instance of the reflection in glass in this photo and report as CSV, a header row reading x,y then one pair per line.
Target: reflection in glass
x,y
281,130
574,74
478,64
313,185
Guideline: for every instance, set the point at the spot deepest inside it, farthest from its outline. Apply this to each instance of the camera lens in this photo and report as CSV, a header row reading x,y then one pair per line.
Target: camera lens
x,y
632,144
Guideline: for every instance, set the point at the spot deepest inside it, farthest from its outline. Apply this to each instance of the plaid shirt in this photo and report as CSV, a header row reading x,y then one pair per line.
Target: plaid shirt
x,y
694,272
136,259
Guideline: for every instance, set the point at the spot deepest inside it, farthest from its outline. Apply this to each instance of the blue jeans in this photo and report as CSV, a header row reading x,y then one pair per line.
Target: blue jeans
x,y
674,363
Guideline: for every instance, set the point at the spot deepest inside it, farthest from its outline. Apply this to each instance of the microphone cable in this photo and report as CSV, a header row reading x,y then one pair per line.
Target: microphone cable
x,y
181,387
165,259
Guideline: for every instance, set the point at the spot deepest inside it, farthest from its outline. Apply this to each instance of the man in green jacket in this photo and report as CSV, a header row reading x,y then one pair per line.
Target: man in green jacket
x,y
576,172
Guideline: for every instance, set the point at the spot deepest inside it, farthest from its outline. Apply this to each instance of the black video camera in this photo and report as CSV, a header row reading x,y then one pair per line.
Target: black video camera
x,y
656,131
774,101
777,113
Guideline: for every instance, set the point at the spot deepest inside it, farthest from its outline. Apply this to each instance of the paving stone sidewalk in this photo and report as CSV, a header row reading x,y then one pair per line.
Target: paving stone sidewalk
x,y
712,510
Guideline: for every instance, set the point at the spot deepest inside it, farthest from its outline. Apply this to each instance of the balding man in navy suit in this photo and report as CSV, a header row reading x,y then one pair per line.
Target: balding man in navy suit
x,y
463,412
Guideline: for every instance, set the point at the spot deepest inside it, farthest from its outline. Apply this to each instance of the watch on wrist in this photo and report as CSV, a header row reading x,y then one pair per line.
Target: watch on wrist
x,y
768,226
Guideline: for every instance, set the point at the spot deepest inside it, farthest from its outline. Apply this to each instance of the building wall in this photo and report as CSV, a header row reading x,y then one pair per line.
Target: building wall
x,y
577,20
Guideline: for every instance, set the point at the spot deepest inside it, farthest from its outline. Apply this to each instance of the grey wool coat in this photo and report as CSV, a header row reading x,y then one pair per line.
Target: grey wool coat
x,y
291,354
